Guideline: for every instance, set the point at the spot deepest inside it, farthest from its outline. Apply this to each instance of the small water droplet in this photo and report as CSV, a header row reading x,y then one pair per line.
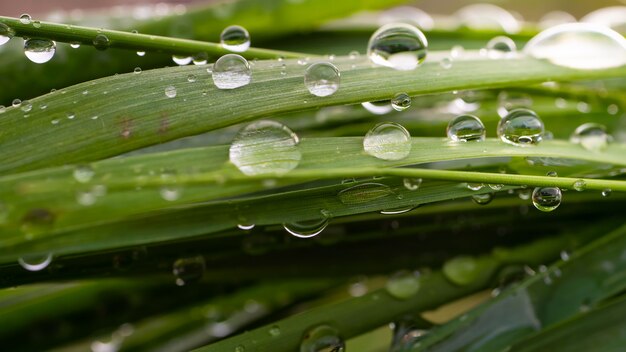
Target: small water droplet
x,y
303,61
412,184
461,270
200,58
240,348
564,256
101,41
322,79
353,55
170,192
482,199
546,198
403,284
400,46
465,128
521,127
137,70
141,53
446,63
75,45
501,47
322,338
25,18
181,60
591,136
563,45
388,141
579,185
188,269
401,102
83,173
496,186
16,102
274,331
606,192
70,115
170,91
6,33
457,51
246,227
308,228
35,262
191,78
381,107
265,147
364,193
231,71
39,51
26,106
235,38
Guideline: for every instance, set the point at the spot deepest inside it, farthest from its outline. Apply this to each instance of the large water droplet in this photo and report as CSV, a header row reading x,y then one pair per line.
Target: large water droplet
x,y
461,270
401,102
322,79
235,38
400,46
25,18
35,262
265,147
231,71
465,128
409,15
6,33
487,16
521,127
613,17
101,41
501,47
403,285
591,136
39,50
322,338
388,141
308,228
546,198
364,193
181,60
580,46
83,173
380,107
189,269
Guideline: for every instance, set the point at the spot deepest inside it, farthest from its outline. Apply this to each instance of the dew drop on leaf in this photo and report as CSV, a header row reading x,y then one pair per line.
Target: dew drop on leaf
x,y
403,284
591,136
101,41
466,128
322,79
380,107
401,102
521,127
181,60
170,91
400,46
388,141
546,198
6,33
39,51
235,38
482,199
323,338
501,47
231,71
461,270
35,262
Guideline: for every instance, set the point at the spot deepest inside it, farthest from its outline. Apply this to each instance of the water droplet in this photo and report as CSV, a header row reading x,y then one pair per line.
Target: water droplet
x,y
496,186
240,348
461,270
579,46
75,45
181,60
25,18
466,128
26,106
322,338
521,127
546,198
446,63
381,107
200,58
308,228
467,101
3,109
170,91
188,269
39,51
403,284
265,147
86,197
555,18
488,16
613,17
612,109
412,184
509,101
401,102
400,46
501,47
235,38
170,192
364,193
231,71
322,79
482,199
83,173
388,141
274,331
70,115
191,78
564,256
606,192
353,55
137,70
141,53
101,41
409,15
16,102
246,227
591,136
6,33
475,186
579,185
457,51
35,262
